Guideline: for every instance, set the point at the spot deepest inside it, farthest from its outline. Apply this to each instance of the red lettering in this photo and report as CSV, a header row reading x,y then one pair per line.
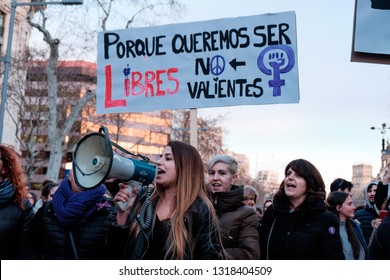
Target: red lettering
x,y
175,80
108,102
136,78
159,82
152,82
149,78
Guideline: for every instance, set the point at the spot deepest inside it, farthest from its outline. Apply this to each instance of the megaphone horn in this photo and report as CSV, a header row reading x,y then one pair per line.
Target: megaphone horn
x,y
94,161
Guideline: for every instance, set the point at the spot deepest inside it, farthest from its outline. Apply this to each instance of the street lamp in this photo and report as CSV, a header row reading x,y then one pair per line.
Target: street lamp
x,y
383,131
7,58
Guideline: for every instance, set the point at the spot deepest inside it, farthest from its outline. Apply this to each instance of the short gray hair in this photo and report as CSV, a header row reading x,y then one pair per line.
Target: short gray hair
x,y
230,161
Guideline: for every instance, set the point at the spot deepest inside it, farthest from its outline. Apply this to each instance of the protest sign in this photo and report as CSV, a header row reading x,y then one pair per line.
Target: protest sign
x,y
371,33
226,62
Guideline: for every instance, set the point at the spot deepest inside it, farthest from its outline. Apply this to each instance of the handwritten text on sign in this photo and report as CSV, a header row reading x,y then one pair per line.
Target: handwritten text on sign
x,y
226,62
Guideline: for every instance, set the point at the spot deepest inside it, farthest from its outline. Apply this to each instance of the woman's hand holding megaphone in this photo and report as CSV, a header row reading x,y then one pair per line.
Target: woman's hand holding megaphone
x,y
126,195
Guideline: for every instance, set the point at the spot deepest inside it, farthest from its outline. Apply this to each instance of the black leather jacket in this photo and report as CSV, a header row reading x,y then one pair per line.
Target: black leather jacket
x,y
204,236
13,225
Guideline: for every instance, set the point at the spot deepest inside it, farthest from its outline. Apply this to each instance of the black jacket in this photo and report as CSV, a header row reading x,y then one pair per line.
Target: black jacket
x,y
197,220
238,224
309,233
365,217
13,225
379,248
47,239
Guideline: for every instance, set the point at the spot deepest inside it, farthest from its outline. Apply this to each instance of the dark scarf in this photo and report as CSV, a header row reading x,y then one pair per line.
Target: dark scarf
x,y
7,193
73,209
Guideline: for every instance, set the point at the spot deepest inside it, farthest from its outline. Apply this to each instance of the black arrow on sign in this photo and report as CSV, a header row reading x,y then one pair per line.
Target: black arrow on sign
x,y
234,63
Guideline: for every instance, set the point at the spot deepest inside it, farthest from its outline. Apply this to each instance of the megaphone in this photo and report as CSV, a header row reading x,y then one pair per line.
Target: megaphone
x,y
94,161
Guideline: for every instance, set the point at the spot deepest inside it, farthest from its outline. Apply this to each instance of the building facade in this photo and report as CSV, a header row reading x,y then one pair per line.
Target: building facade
x,y
21,36
243,168
385,162
361,178
267,180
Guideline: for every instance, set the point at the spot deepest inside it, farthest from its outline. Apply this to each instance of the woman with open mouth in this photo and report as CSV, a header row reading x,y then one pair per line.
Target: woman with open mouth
x,y
298,225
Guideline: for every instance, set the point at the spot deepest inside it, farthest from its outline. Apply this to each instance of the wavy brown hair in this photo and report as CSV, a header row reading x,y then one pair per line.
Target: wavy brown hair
x,y
190,185
12,170
314,182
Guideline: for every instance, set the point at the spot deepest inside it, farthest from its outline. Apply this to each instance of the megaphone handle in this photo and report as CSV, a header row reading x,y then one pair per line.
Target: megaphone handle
x,y
122,205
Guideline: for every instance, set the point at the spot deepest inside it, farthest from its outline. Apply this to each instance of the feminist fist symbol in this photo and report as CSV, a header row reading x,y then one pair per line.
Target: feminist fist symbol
x,y
276,61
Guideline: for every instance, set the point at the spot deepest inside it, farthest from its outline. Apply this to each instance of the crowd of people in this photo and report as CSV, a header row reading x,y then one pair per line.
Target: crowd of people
x,y
183,215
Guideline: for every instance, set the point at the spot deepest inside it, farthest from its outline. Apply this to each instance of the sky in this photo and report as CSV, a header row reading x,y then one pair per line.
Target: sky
x,y
339,102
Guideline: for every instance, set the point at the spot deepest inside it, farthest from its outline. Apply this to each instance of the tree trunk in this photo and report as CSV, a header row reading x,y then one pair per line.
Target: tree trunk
x,y
55,160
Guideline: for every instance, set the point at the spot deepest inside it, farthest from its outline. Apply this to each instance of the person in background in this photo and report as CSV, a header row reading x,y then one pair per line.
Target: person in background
x,y
74,225
298,225
47,181
267,204
15,209
52,188
250,195
237,221
381,195
354,244
366,215
173,219
250,199
32,197
341,185
47,191
46,185
379,246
